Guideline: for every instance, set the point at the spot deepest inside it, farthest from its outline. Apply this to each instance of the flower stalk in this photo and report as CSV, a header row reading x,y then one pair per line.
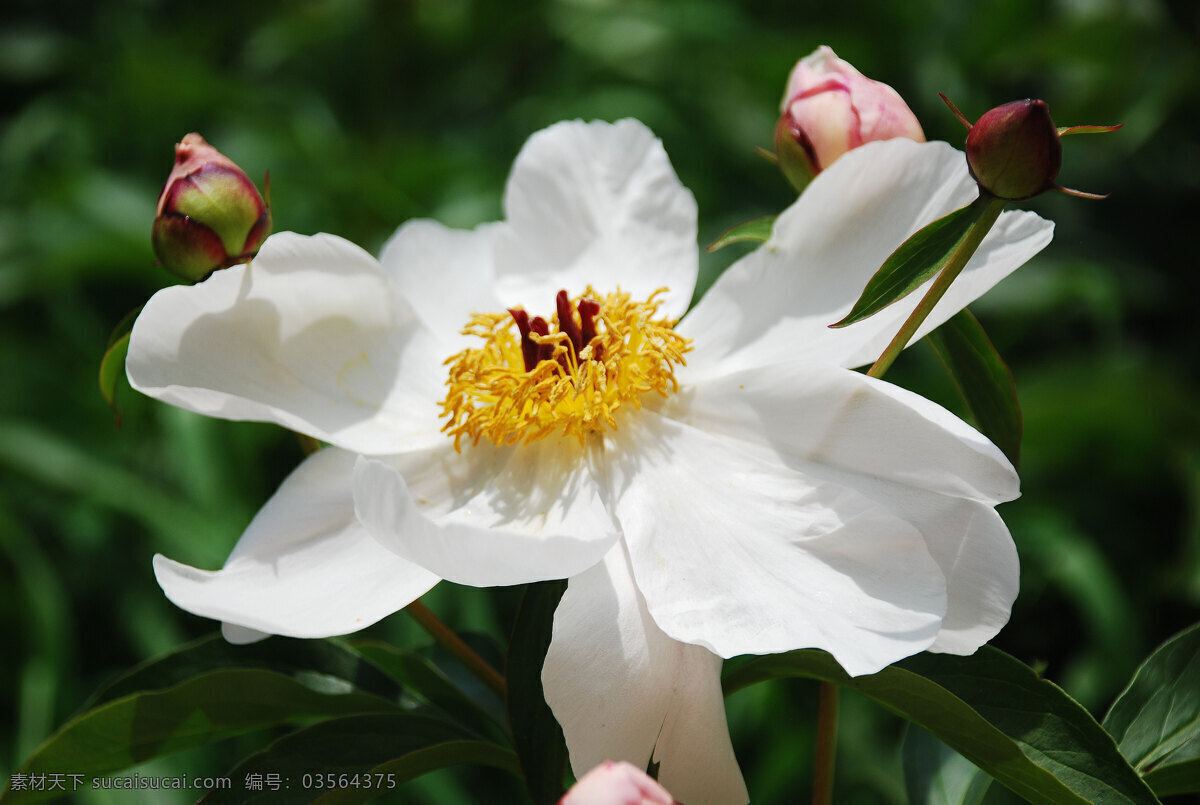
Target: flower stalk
x,y
455,645
954,266
826,754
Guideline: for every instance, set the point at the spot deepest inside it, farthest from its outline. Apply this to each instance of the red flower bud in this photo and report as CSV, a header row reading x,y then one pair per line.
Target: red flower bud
x,y
210,215
1013,151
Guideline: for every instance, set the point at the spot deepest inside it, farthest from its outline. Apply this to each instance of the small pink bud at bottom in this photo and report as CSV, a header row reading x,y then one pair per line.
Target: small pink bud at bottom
x,y
618,783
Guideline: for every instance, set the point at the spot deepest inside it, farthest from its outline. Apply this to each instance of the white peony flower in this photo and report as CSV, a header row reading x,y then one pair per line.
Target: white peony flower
x,y
721,486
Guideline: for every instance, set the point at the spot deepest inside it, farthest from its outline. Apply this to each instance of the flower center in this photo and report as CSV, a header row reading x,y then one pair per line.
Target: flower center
x,y
529,379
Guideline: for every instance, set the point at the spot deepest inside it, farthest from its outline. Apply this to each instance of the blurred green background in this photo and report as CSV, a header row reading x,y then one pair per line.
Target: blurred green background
x,y
370,113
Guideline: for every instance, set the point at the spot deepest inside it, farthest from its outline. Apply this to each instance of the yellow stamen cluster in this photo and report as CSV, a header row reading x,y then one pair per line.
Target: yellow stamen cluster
x,y
492,396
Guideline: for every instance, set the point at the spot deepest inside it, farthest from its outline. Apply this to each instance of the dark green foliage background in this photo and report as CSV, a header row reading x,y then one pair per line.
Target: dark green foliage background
x,y
370,113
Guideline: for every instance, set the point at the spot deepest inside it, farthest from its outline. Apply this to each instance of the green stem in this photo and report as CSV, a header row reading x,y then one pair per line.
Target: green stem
x,y
455,645
827,714
954,266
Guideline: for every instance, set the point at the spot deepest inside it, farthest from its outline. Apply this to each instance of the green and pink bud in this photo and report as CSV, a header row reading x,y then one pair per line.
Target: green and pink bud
x,y
828,109
1014,152
210,215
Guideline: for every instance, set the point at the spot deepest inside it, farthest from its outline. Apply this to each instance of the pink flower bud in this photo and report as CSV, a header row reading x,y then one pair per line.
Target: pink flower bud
x,y
1014,151
210,215
617,784
829,108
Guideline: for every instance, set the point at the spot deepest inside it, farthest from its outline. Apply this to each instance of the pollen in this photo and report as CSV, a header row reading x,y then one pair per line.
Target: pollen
x,y
529,380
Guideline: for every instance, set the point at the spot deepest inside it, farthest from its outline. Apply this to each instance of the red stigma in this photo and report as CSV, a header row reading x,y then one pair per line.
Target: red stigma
x,y
579,333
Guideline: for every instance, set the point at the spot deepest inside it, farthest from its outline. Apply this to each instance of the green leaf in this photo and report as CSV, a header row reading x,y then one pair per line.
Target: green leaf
x,y
993,710
303,658
983,379
422,676
917,259
210,707
1156,720
402,745
112,365
934,774
431,758
1176,777
491,651
112,369
757,230
537,736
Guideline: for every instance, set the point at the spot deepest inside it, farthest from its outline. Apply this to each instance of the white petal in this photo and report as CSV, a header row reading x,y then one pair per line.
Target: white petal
x,y
445,274
896,448
489,516
777,303
623,690
304,567
846,420
738,553
596,203
973,549
972,546
240,635
309,335
978,557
